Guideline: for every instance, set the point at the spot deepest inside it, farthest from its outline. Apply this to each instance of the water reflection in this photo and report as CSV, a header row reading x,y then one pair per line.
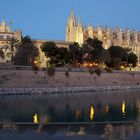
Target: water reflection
x,y
92,113
74,107
123,109
35,117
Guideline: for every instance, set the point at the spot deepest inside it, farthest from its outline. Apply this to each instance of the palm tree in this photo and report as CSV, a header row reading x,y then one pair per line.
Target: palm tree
x,y
12,43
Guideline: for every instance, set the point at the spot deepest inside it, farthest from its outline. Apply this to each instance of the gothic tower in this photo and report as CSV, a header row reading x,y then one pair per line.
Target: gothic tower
x,y
71,28
79,33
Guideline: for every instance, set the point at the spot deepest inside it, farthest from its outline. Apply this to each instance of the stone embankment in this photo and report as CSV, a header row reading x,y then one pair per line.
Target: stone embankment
x,y
23,80
64,90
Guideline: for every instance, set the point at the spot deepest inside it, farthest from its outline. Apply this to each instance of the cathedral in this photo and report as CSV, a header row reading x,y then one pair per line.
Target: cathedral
x,y
76,32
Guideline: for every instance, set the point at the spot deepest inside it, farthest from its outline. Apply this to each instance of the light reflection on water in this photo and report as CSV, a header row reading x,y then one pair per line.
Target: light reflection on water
x,y
123,108
102,112
74,107
92,112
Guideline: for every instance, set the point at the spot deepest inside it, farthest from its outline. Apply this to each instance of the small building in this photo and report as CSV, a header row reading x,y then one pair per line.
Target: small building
x,y
5,35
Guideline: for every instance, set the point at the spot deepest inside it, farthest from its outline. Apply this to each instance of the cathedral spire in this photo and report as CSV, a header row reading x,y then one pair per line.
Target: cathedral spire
x,y
72,15
72,19
79,22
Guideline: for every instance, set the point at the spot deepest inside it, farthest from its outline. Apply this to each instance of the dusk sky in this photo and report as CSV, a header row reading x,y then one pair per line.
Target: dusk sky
x,y
47,19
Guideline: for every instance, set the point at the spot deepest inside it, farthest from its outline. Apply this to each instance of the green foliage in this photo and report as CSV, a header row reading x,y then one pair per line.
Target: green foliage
x,y
13,44
26,53
132,59
50,49
26,39
62,56
116,51
120,57
75,53
58,56
51,71
93,50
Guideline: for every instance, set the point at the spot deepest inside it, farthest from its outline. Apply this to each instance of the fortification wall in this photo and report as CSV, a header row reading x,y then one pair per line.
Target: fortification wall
x,y
29,78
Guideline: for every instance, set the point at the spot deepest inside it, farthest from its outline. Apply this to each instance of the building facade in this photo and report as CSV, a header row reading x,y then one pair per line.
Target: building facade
x,y
5,35
116,37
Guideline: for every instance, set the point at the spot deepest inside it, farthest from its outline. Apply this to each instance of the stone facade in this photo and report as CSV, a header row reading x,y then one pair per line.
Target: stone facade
x,y
5,35
78,33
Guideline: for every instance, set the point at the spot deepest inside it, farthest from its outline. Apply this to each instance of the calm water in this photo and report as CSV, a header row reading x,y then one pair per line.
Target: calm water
x,y
106,115
73,107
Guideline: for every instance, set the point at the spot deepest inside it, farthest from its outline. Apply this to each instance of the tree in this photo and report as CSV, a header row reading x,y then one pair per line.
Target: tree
x,y
121,56
62,56
75,53
13,44
132,59
58,56
26,53
50,50
93,50
116,56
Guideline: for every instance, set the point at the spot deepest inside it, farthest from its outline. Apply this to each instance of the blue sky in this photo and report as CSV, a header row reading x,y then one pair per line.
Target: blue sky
x,y
47,19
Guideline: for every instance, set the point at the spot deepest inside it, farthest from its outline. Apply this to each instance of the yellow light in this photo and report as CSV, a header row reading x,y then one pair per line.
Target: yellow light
x,y
35,62
92,113
122,67
35,117
123,107
90,65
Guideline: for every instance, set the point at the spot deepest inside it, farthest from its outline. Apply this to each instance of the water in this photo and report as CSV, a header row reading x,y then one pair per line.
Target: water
x,y
113,114
72,107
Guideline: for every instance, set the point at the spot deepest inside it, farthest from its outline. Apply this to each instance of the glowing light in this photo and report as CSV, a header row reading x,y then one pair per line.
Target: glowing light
x,y
123,107
35,117
122,67
35,62
92,113
85,64
90,65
